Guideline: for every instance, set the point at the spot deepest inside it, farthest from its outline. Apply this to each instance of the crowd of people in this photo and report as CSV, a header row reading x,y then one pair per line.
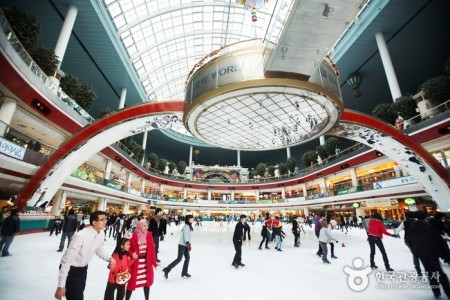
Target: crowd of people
x,y
135,257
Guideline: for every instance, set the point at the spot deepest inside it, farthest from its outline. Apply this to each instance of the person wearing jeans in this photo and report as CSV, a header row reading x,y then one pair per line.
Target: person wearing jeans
x,y
11,226
184,246
376,231
69,228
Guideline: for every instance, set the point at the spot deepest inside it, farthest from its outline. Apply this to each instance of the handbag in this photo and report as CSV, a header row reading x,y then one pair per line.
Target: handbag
x,y
123,277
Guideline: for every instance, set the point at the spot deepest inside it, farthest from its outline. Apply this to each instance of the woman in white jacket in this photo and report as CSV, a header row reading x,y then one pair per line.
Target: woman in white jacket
x,y
184,246
325,237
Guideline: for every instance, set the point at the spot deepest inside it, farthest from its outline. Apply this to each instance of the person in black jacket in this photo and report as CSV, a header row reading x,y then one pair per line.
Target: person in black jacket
x,y
265,235
154,228
405,225
11,225
163,227
429,246
69,228
296,232
237,241
247,231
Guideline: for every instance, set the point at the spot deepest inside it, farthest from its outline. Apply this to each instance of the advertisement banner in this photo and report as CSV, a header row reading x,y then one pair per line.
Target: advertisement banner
x,y
348,190
394,182
173,199
113,185
378,203
134,192
10,149
297,199
206,201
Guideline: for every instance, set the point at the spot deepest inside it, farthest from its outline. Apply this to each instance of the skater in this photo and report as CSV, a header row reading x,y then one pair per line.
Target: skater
x,y
69,228
247,231
296,232
317,227
163,227
279,235
428,245
325,237
155,222
237,241
56,226
11,226
265,236
184,247
119,273
74,263
141,272
376,231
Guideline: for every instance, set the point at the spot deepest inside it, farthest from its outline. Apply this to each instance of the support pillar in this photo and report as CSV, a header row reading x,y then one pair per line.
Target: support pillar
x,y
358,212
257,195
64,37
59,201
398,172
123,96
102,203
388,66
354,177
305,191
306,211
444,159
143,187
129,180
144,145
108,169
185,193
126,207
288,152
184,211
209,195
191,150
6,113
323,185
239,158
322,140
283,193
232,196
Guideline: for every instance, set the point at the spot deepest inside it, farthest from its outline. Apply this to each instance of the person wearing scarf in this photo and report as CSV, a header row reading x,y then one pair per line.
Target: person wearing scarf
x,y
142,274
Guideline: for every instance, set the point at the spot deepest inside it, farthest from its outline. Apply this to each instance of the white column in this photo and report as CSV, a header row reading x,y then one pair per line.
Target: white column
x,y
123,96
58,200
143,186
444,159
108,169
66,31
129,180
288,151
283,212
388,66
191,150
102,203
184,211
257,195
161,188
322,140
7,112
232,196
283,193
323,185
209,195
144,145
185,193
306,211
354,177
397,171
126,207
358,212
305,191
239,158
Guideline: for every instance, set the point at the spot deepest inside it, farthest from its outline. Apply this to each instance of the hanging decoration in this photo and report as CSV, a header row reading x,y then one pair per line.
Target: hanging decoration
x,y
253,5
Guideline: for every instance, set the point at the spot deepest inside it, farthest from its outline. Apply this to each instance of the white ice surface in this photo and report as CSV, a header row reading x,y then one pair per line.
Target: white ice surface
x,y
295,273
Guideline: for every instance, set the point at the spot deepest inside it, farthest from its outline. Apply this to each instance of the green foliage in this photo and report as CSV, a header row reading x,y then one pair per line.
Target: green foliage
x,y
172,167
437,89
153,160
385,112
330,146
181,167
82,93
308,157
322,152
291,163
162,163
45,58
104,112
271,171
283,169
260,169
406,107
135,148
25,26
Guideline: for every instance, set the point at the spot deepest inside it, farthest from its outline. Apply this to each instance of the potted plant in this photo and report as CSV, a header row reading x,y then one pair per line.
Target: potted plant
x,y
309,158
406,108
385,112
181,166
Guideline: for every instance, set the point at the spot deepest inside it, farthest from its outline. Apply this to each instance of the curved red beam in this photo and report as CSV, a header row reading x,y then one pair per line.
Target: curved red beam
x,y
91,130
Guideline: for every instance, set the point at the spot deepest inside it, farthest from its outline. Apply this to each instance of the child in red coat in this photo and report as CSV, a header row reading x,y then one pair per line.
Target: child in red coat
x,y
119,272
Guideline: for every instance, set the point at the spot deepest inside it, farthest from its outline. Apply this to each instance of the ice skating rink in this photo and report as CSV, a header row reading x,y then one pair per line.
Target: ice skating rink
x,y
295,273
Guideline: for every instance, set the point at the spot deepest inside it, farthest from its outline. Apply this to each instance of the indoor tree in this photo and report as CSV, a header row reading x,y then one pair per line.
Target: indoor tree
x,y
271,170
162,163
330,146
308,158
291,164
82,93
260,169
181,167
437,89
283,169
406,107
153,160
172,166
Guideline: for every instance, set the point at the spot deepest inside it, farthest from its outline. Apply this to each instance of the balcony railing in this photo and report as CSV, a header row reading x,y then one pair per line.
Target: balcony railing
x,y
36,70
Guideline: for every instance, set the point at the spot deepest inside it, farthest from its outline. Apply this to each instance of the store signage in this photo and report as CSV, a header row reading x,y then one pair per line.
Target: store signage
x,y
113,185
10,149
348,190
134,192
173,199
206,201
410,201
378,203
394,182
151,196
297,199
356,205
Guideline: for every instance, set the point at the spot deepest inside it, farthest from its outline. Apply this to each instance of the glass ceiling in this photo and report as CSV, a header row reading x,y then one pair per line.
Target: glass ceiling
x,y
165,39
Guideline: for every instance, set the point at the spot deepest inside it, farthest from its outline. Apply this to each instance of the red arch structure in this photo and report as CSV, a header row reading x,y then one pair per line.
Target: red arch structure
x,y
354,125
